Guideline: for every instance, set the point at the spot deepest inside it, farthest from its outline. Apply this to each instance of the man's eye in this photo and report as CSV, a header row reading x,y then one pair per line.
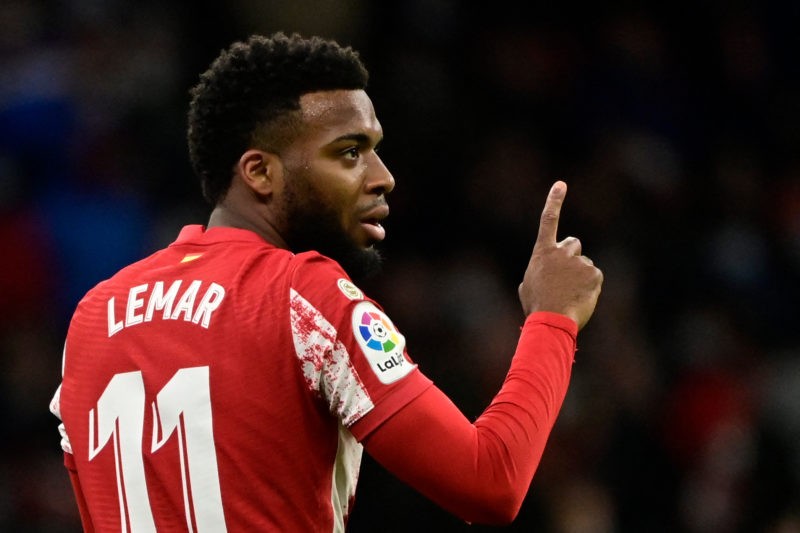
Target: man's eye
x,y
352,153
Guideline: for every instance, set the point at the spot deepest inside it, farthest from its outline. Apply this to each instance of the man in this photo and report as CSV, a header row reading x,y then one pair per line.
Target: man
x,y
231,380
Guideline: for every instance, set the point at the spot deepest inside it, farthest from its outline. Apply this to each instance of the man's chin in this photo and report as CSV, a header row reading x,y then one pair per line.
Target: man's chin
x,y
318,232
361,263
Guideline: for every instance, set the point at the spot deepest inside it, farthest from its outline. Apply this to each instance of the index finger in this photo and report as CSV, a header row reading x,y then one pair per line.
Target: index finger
x,y
548,224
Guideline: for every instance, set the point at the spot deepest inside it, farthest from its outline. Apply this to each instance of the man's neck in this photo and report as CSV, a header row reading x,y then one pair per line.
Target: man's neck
x,y
223,216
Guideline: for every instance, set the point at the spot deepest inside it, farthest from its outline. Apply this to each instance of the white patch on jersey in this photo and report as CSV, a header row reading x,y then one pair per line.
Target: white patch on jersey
x,y
381,343
326,363
349,289
55,408
345,476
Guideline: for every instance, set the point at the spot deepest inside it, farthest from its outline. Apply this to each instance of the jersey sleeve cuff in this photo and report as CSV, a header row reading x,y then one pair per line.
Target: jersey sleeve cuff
x,y
555,320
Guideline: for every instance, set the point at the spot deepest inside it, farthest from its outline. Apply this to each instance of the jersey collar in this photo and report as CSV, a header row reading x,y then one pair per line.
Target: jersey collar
x,y
199,234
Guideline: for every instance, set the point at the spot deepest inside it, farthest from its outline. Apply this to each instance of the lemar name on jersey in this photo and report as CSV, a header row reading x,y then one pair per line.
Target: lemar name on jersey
x,y
144,301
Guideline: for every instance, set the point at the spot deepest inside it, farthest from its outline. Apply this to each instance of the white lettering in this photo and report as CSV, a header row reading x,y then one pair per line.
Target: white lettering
x,y
186,303
211,300
160,301
188,306
134,303
113,325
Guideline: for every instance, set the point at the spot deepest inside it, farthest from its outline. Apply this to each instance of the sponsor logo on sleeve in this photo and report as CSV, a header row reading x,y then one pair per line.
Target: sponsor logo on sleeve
x,y
381,343
349,289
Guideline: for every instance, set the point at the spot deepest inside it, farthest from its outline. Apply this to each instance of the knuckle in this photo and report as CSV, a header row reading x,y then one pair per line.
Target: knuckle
x,y
549,216
599,276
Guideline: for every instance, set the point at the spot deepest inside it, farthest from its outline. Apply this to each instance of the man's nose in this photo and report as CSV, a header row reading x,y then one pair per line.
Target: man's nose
x,y
379,179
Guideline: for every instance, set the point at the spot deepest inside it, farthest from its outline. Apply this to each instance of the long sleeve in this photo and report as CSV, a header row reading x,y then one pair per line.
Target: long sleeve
x,y
481,471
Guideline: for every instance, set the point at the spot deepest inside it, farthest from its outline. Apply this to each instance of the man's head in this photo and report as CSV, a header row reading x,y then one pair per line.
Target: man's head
x,y
283,138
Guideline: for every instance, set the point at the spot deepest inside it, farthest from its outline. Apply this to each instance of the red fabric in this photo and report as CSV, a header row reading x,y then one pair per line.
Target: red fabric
x,y
482,471
261,388
252,398
83,509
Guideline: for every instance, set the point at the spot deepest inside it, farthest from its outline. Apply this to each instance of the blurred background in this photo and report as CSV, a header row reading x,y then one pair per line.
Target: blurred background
x,y
675,125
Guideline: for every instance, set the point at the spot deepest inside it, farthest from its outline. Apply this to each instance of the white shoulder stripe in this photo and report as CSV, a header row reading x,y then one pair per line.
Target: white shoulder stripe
x,y
325,362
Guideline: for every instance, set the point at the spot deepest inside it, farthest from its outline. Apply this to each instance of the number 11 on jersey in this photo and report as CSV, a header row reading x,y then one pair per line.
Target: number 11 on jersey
x,y
120,414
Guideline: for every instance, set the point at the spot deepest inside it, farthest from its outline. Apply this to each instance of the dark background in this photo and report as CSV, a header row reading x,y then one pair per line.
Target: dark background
x,y
674,124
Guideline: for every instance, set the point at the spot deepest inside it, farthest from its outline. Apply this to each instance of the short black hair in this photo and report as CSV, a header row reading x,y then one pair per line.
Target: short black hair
x,y
252,84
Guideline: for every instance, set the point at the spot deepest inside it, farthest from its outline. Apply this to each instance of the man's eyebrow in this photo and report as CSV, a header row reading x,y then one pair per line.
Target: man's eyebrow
x,y
360,138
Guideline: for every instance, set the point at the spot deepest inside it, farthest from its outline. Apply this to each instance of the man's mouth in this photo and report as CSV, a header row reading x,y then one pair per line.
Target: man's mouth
x,y
371,223
375,231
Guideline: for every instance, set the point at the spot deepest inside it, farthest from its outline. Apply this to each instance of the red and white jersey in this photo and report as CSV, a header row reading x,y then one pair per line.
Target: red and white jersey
x,y
210,387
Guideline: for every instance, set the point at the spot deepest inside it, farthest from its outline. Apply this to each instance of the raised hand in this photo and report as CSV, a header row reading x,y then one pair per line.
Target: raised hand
x,y
558,278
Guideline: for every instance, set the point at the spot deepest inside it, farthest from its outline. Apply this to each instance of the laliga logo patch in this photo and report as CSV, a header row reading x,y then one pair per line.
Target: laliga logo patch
x,y
349,289
377,333
381,343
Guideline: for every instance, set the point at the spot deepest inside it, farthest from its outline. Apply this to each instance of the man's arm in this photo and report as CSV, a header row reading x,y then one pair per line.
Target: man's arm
x,y
482,471
69,463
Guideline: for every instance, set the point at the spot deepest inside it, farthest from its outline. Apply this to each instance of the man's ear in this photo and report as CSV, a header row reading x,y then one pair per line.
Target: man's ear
x,y
260,171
